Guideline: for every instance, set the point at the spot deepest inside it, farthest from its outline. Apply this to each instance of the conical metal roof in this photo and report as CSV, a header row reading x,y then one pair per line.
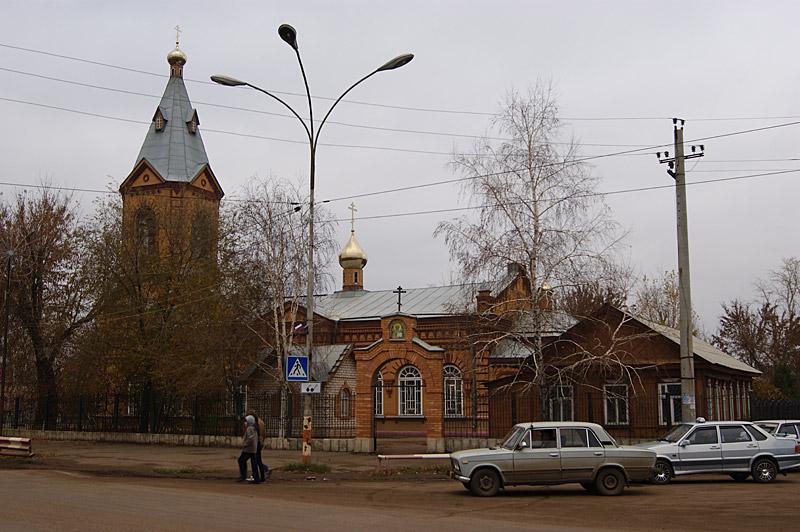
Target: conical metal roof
x,y
175,151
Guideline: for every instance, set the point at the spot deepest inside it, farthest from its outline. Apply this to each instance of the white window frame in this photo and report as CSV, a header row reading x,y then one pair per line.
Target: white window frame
x,y
617,398
409,398
453,391
379,395
663,389
557,400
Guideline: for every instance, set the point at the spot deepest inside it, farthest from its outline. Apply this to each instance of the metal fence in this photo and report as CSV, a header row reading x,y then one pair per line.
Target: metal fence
x,y
219,415
775,408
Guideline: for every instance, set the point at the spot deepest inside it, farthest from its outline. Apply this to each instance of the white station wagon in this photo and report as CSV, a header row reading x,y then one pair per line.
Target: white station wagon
x,y
553,453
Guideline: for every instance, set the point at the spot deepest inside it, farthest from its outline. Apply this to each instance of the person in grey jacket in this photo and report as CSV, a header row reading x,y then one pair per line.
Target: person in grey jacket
x,y
249,449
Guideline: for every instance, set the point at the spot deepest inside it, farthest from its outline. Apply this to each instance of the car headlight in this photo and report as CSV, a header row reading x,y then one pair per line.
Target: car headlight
x,y
456,465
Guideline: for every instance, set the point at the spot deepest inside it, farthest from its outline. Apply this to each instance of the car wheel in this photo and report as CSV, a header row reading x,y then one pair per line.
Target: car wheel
x,y
662,473
588,486
740,477
610,482
764,470
484,483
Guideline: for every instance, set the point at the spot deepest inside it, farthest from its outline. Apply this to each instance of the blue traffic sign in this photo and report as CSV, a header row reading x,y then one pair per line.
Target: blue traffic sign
x,y
297,368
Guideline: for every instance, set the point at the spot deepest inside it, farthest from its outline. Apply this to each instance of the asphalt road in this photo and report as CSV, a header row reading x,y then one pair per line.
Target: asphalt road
x,y
61,500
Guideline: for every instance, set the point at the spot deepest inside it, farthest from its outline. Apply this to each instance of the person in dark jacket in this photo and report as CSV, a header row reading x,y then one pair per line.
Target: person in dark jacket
x,y
249,449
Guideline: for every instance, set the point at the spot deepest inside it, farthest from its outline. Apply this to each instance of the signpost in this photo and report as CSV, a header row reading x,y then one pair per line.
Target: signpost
x,y
310,387
297,368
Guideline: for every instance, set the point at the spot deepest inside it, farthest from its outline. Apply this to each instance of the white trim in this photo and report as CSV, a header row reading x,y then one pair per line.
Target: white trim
x,y
453,391
616,398
663,390
409,397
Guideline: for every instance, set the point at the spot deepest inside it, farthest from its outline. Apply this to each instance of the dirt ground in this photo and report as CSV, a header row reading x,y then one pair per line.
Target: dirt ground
x,y
83,487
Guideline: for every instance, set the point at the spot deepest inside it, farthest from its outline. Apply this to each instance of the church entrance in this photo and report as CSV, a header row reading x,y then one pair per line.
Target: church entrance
x,y
399,422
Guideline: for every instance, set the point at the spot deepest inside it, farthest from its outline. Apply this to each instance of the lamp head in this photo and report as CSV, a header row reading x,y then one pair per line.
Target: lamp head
x,y
288,34
228,81
397,62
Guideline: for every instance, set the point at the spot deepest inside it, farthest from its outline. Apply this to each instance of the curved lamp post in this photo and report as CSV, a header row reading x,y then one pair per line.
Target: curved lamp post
x,y
289,35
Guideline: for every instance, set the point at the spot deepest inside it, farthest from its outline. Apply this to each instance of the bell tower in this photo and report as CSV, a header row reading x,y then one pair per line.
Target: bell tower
x,y
352,259
170,200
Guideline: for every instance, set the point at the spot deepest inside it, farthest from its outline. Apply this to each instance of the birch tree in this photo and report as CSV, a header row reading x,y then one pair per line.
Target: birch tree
x,y
535,206
268,246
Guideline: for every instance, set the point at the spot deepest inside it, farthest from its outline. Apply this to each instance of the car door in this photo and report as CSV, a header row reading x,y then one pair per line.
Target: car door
x,y
700,451
537,458
737,447
581,453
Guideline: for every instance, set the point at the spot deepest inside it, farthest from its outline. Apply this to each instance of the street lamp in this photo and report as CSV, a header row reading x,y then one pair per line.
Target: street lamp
x,y
289,35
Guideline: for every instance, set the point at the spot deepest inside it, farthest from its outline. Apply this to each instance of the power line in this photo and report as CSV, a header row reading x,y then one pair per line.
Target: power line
x,y
292,117
593,194
576,161
399,107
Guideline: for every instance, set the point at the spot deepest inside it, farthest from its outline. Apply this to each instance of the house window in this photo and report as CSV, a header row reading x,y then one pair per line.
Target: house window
x,y
192,126
344,403
669,403
410,396
616,404
159,122
560,403
379,395
453,392
146,230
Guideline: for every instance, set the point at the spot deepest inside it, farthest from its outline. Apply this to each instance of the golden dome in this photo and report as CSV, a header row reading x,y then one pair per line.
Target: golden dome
x,y
176,56
352,256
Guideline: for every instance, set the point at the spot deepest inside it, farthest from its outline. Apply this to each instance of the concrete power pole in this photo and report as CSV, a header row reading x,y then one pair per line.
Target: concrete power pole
x,y
678,172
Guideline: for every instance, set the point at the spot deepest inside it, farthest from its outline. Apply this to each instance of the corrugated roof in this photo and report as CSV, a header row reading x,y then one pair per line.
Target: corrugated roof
x,y
174,152
701,348
428,301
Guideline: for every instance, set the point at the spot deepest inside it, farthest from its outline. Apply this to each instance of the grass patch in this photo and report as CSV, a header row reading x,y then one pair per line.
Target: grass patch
x,y
303,468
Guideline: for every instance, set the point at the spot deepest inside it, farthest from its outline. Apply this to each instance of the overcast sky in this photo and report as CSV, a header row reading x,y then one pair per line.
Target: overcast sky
x,y
726,61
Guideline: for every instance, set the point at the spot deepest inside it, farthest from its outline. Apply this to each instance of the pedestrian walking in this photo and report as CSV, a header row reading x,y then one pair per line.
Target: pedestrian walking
x,y
261,431
249,450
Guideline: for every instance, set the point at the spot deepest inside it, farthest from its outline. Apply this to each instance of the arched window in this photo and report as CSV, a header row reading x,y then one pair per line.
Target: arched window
x,y
201,236
146,230
379,394
453,392
410,396
344,403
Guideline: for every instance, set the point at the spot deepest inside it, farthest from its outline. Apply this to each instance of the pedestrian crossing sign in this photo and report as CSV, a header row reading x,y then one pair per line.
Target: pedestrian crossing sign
x,y
297,368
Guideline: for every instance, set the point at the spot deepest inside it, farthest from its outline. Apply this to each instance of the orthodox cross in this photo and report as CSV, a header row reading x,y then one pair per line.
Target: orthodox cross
x,y
353,212
177,35
399,293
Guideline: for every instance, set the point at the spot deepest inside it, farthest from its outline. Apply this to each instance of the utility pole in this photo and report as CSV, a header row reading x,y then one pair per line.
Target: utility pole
x,y
678,172
7,305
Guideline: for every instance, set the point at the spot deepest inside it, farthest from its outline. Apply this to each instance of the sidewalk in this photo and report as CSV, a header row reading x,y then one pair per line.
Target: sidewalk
x,y
125,459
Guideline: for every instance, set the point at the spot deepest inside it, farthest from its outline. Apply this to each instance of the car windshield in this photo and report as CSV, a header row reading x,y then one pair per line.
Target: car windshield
x,y
676,434
510,441
769,427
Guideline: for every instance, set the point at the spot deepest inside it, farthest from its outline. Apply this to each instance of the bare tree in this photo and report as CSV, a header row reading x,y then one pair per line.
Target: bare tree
x,y
658,299
268,250
766,333
50,294
536,208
